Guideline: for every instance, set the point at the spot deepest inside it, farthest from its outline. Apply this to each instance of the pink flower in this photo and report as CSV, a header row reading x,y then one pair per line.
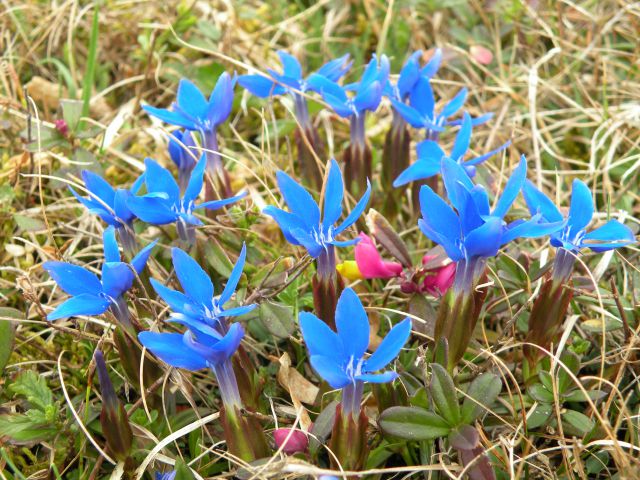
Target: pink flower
x,y
297,442
439,279
62,127
370,262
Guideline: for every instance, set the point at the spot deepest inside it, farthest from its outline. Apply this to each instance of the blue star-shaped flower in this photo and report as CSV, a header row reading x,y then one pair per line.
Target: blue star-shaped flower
x,y
473,230
339,358
291,79
430,156
193,111
108,203
90,295
411,73
574,235
163,204
366,93
302,225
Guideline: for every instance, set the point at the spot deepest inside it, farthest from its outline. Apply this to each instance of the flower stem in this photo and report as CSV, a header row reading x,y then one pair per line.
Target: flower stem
x,y
227,385
352,398
326,286
218,186
357,157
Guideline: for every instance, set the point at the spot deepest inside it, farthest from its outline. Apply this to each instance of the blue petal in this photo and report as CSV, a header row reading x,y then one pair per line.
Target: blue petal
x,y
370,72
483,158
463,139
410,114
290,65
486,240
325,86
470,216
385,377
111,250
194,280
409,74
484,118
237,311
159,180
260,86
299,201
140,260
455,104
227,346
97,208
356,212
172,118
530,229
538,202
345,243
449,244
511,189
581,209
390,347
73,279
333,195
120,205
191,100
178,301
421,169
234,278
433,65
352,324
171,349
368,98
612,234
84,304
152,210
421,98
455,181
319,338
196,179
335,69
117,278
99,187
137,185
308,240
428,149
288,222
217,204
221,100
330,371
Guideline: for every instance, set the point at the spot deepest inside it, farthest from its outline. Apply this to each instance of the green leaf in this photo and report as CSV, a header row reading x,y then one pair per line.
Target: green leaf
x,y
420,398
7,334
28,427
413,423
579,396
322,427
539,416
217,258
71,112
34,387
540,394
443,392
278,319
580,424
572,362
484,390
183,472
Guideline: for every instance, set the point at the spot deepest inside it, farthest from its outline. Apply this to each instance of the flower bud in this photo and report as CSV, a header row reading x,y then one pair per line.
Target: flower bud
x,y
295,441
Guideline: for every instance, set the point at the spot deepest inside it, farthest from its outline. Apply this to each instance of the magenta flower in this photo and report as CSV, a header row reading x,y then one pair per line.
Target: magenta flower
x,y
296,440
438,280
370,262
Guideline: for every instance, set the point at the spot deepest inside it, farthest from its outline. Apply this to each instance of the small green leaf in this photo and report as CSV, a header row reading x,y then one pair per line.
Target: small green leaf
x,y
539,416
278,319
7,334
34,387
539,393
484,390
420,398
579,396
580,424
322,427
71,112
443,392
217,258
29,224
413,423
572,362
28,427
183,472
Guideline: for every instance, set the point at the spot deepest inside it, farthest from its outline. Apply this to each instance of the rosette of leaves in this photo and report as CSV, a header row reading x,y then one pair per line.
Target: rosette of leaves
x,y
567,394
442,414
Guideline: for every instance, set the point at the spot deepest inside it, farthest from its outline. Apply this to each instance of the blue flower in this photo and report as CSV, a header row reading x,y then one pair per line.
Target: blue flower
x,y
197,308
339,358
192,110
166,476
302,225
291,79
207,342
367,93
411,73
475,231
90,295
181,150
574,236
430,156
108,203
163,204
421,111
